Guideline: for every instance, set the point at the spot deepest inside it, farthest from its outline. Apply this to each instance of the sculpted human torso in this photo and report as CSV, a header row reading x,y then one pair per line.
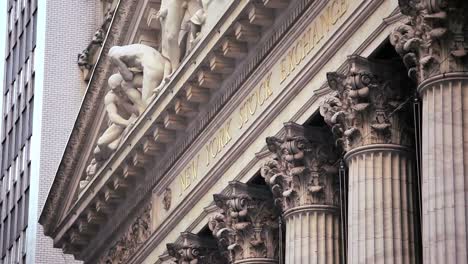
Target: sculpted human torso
x,y
171,14
138,58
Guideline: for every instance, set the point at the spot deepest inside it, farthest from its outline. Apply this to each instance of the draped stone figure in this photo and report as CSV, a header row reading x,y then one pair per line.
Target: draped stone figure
x,y
136,59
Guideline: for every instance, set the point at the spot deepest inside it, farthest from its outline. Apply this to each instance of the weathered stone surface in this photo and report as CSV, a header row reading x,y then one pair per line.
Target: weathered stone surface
x,y
367,107
195,249
247,226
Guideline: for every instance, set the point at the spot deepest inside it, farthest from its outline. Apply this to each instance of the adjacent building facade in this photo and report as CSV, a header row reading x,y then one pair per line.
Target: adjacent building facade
x,y
273,131
41,97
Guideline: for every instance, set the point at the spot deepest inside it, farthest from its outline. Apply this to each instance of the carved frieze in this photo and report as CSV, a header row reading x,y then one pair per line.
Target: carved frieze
x,y
131,240
195,249
247,225
303,170
434,41
167,199
367,105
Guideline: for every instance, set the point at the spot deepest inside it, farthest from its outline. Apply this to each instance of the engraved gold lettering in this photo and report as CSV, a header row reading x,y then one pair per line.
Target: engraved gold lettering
x,y
268,90
253,103
214,147
335,12
284,73
344,7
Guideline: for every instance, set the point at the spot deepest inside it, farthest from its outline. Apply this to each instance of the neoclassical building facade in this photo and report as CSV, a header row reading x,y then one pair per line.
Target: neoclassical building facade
x,y
269,131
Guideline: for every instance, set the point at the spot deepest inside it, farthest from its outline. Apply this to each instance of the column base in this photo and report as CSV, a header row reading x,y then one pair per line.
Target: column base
x,y
257,261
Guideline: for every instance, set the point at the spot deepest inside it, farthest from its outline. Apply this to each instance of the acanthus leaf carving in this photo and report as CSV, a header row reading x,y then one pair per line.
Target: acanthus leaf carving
x,y
366,107
195,249
136,235
302,171
434,41
247,226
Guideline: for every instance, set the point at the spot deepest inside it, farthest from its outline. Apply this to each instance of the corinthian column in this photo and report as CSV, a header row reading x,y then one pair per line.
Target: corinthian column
x,y
366,118
195,249
434,47
304,184
247,226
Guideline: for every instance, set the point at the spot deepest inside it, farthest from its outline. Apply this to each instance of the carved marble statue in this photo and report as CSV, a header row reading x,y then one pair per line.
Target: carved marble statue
x,y
181,23
121,111
135,59
195,24
170,15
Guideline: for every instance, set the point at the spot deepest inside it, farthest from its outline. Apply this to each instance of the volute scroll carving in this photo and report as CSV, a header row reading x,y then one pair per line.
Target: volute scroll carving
x,y
303,170
195,250
434,41
247,225
367,105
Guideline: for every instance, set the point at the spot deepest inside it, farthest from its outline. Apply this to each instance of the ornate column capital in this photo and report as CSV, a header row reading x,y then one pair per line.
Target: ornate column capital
x,y
195,250
366,107
302,171
247,226
434,41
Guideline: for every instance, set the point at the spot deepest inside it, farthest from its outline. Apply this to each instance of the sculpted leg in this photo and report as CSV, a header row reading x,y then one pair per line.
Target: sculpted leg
x,y
112,133
174,51
134,95
150,81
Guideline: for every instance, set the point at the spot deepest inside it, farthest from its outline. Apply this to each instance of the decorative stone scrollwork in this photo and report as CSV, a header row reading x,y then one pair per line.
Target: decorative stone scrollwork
x,y
130,241
167,198
366,106
434,40
195,249
303,170
86,57
247,226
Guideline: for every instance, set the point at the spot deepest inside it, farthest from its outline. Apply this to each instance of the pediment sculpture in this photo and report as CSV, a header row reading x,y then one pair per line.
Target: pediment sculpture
x,y
143,71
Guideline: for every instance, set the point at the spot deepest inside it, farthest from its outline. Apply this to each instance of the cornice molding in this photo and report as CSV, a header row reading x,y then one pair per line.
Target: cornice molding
x,y
260,124
90,104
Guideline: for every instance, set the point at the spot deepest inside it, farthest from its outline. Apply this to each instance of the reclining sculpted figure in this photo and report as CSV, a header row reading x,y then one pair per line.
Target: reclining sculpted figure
x,y
137,59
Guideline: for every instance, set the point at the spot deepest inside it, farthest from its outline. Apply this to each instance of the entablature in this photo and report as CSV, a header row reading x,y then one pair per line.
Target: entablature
x,y
169,126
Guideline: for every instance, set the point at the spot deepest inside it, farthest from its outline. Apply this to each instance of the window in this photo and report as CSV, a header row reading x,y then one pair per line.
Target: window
x,y
17,166
28,69
7,102
18,8
24,157
26,209
10,177
12,20
14,93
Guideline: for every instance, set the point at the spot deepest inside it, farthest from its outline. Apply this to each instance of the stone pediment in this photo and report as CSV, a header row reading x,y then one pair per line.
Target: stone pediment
x,y
92,119
193,87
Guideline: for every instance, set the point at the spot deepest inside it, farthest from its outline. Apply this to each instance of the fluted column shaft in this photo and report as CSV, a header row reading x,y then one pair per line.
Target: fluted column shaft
x,y
380,218
444,168
313,235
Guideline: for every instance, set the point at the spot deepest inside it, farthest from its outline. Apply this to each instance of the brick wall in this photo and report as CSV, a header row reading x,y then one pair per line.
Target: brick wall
x,y
70,26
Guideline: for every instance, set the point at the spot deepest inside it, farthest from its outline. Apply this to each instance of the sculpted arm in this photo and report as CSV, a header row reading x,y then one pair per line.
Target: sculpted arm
x,y
112,111
123,69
